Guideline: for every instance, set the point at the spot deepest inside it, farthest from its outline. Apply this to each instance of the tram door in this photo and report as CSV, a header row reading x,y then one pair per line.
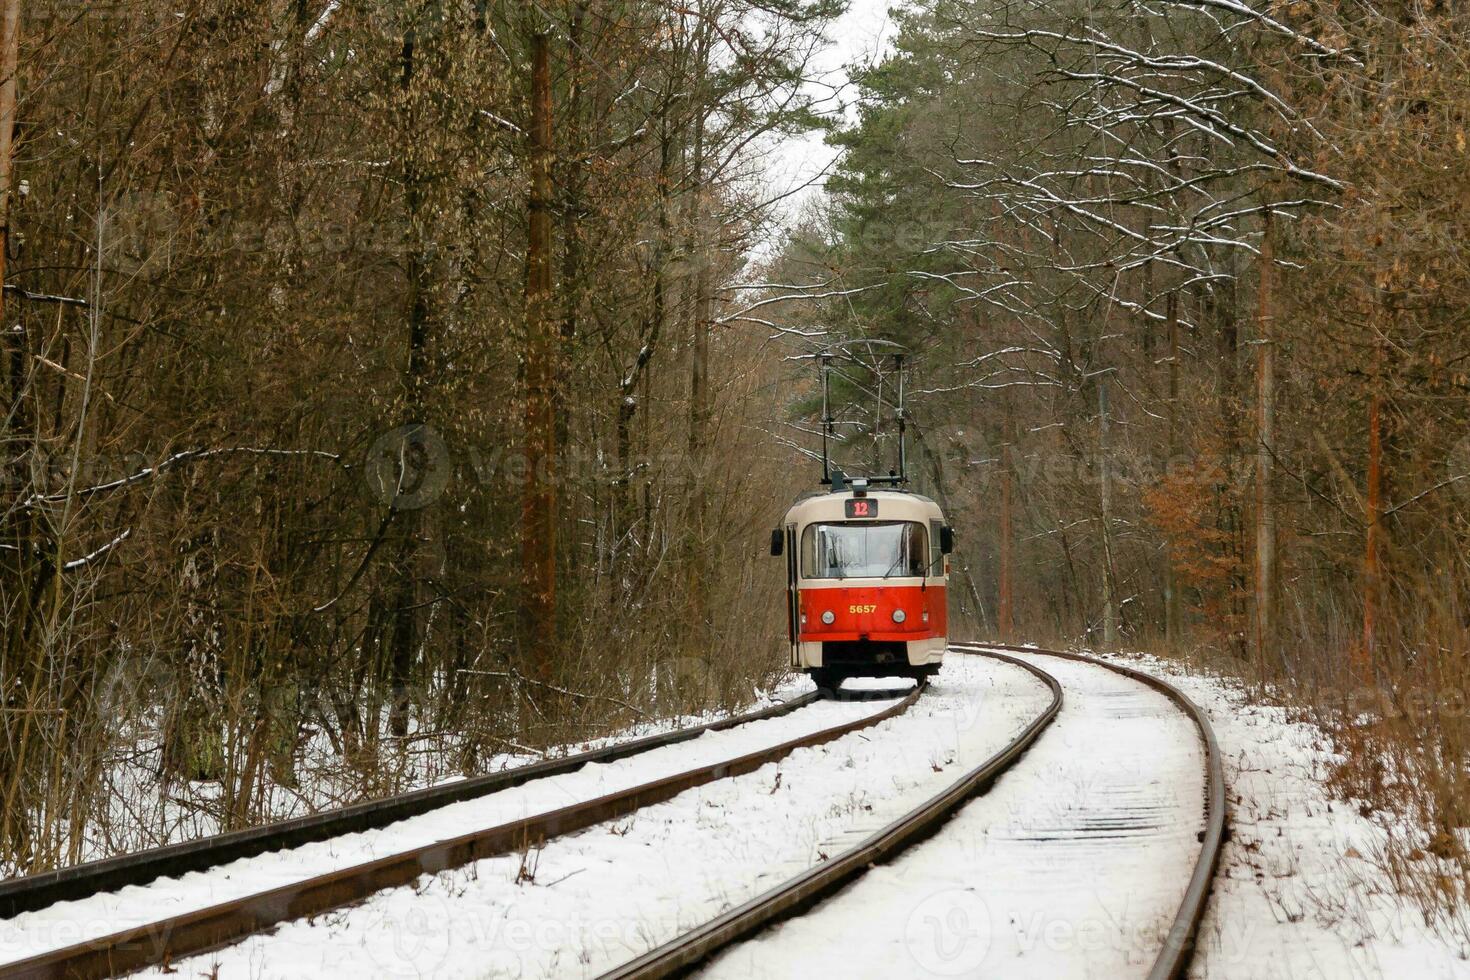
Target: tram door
x,y
793,601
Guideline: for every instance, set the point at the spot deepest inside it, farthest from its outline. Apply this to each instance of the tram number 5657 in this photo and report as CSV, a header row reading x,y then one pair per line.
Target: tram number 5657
x,y
863,608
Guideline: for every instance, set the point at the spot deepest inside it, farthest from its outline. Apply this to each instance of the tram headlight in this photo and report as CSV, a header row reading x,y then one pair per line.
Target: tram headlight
x,y
827,617
899,615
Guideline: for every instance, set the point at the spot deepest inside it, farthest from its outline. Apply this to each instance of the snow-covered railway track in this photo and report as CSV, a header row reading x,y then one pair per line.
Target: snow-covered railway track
x,y
32,892
802,892
1101,817
587,902
1093,857
1178,942
50,904
965,935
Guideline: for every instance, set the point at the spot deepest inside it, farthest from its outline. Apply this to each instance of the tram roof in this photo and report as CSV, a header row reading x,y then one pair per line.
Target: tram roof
x,y
892,505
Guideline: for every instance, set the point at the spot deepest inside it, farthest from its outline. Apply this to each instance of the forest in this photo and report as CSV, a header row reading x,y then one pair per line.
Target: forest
x,y
392,388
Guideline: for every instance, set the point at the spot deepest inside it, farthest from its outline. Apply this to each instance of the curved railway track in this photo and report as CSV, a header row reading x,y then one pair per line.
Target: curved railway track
x,y
209,928
201,930
688,951
1178,944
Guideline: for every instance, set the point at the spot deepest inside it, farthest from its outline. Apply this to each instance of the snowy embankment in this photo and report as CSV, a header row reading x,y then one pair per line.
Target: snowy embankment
x,y
66,923
586,902
1297,896
148,809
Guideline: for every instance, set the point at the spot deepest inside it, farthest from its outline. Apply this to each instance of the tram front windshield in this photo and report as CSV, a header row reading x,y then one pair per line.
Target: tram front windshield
x,y
881,549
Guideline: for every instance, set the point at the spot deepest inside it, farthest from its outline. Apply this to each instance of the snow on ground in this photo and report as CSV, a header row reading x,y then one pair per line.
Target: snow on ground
x,y
148,811
1070,866
1073,865
586,902
1295,896
70,922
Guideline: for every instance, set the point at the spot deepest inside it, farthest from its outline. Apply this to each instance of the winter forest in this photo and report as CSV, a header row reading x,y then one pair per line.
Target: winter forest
x,y
391,389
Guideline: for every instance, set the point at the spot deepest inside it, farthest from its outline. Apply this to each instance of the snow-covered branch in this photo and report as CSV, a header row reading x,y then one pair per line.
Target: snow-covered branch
x,y
177,459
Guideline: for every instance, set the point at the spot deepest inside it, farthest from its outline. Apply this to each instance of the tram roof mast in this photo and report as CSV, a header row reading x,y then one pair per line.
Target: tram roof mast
x,y
836,479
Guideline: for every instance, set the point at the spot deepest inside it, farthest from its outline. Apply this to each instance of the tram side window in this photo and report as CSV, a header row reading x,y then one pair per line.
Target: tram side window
x,y
884,549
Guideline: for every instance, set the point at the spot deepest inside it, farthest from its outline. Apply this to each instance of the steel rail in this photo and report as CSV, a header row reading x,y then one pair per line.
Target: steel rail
x,y
686,952
802,892
1179,943
37,891
201,930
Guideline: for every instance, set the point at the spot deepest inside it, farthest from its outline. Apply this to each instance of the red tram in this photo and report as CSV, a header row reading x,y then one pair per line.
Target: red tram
x,y
866,574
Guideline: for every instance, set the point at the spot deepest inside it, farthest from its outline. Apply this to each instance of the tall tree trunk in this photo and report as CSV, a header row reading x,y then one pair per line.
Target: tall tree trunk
x,y
1372,569
571,256
1004,610
404,634
1219,303
1109,599
27,576
1265,578
538,510
9,64
1171,586
701,253
628,390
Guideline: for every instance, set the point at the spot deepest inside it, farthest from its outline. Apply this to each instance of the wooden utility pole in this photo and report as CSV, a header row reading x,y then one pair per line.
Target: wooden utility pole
x,y
1265,583
538,503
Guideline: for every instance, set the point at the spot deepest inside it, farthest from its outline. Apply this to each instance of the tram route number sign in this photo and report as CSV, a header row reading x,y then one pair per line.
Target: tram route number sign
x,y
861,507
